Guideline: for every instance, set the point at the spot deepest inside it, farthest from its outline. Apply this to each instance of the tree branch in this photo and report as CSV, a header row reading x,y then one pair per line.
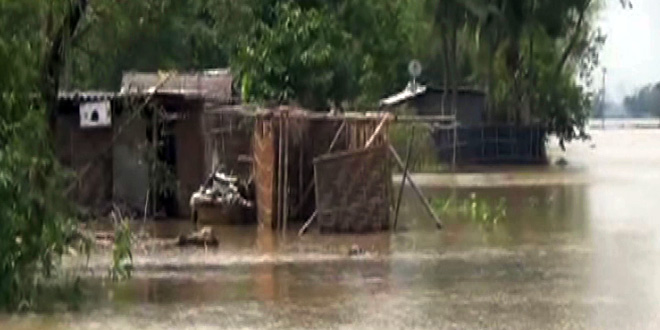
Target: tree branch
x,y
574,39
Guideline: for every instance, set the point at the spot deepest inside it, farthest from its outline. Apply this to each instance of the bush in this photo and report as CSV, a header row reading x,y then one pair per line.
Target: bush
x,y
35,221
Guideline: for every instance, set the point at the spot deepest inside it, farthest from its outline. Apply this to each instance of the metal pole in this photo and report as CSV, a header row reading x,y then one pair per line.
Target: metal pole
x,y
602,104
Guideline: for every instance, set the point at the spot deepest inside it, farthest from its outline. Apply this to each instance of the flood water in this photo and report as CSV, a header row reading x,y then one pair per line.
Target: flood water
x,y
580,248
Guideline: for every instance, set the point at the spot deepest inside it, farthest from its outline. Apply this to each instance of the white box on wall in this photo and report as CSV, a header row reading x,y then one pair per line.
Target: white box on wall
x,y
95,114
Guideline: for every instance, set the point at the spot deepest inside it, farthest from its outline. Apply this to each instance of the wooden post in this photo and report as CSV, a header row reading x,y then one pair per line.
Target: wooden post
x,y
279,171
348,137
497,142
453,161
285,213
154,151
418,191
403,180
483,143
301,170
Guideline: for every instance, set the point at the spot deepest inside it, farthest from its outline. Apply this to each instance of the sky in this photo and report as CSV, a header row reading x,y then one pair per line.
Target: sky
x,y
632,51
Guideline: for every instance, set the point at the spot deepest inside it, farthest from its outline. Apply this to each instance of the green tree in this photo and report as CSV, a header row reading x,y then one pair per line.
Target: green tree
x,y
36,224
645,102
149,35
534,58
323,54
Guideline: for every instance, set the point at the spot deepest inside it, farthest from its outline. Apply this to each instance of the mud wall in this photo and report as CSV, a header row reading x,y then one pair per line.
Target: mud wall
x,y
190,158
130,172
87,152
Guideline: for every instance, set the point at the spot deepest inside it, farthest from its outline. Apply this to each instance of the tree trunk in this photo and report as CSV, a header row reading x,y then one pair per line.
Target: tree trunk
x,y
55,56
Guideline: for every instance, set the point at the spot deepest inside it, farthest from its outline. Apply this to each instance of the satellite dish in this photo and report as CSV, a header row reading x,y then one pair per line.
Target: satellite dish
x,y
415,68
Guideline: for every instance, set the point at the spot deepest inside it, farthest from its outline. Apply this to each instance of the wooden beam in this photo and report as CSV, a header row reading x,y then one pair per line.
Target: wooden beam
x,y
405,175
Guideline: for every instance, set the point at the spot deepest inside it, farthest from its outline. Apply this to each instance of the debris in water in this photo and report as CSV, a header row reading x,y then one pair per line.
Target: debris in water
x,y
203,237
356,250
222,199
222,189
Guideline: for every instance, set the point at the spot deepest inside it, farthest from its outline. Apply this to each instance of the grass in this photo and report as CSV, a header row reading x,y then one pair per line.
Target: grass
x,y
482,211
122,257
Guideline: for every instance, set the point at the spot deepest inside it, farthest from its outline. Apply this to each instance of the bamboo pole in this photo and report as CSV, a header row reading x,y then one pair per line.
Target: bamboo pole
x,y
240,110
418,191
377,130
405,175
337,135
307,224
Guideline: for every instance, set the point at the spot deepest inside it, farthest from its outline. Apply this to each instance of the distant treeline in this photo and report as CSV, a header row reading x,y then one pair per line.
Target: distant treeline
x,y
645,102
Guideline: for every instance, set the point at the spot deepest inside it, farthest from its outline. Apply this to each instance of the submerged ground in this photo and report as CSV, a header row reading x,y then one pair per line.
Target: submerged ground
x,y
580,248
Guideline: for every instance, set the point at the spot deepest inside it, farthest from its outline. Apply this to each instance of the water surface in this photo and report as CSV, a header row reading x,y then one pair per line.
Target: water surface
x,y
580,248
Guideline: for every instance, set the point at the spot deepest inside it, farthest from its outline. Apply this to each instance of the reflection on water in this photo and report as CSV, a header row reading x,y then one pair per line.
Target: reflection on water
x,y
580,248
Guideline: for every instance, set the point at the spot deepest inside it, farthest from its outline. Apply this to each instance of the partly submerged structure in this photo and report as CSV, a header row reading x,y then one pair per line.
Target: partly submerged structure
x,y
144,147
428,101
150,147
475,140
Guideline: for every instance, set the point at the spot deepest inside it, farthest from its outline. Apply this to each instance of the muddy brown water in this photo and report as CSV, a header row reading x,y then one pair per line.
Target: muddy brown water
x,y
580,248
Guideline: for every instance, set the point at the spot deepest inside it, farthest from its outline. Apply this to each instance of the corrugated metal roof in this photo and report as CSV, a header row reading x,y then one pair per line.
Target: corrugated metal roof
x,y
409,93
211,84
86,96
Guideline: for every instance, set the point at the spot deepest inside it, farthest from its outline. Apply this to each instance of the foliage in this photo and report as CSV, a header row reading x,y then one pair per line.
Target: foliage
x,y
36,227
322,54
145,35
122,257
423,157
535,58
